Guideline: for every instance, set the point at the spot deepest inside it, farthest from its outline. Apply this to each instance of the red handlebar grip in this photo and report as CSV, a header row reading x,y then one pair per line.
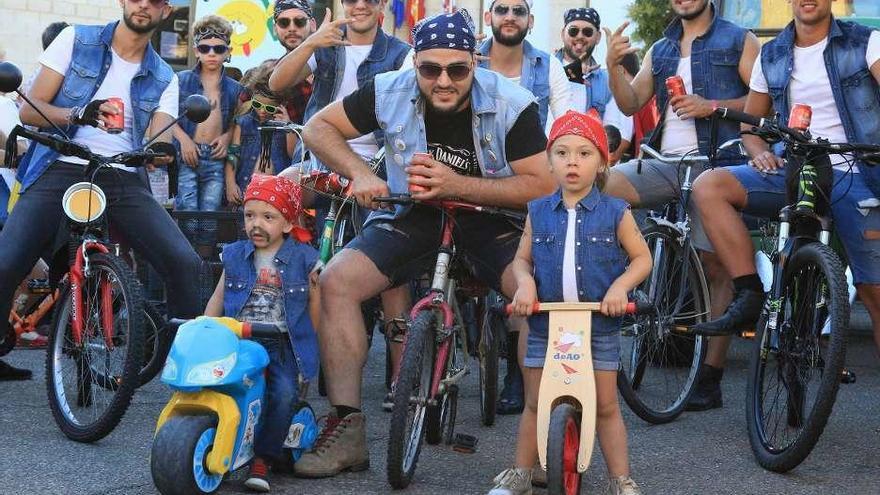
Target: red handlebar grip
x,y
508,310
245,330
630,308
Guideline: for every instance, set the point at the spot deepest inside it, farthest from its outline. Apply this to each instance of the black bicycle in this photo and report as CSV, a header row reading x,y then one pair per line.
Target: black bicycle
x,y
795,369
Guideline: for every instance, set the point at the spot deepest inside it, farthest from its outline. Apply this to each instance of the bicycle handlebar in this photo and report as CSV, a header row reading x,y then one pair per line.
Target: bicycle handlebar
x,y
448,204
70,148
687,158
248,330
279,126
632,307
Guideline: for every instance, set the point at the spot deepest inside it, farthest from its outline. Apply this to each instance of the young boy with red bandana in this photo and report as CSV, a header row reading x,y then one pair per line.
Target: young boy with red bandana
x,y
269,278
586,247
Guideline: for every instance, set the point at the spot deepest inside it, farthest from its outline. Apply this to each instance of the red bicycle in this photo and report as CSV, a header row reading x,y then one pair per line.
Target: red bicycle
x,y
435,351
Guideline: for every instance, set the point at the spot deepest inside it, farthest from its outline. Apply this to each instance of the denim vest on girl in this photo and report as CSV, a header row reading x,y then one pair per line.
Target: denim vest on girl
x,y
89,64
294,262
599,258
855,90
535,75
400,110
252,146
715,59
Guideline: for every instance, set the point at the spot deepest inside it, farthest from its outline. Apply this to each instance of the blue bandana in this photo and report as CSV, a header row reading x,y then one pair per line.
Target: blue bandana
x,y
452,31
583,14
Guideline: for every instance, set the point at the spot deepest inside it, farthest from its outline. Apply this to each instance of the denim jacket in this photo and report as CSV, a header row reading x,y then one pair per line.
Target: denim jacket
x,y
88,66
388,54
855,90
496,103
535,75
715,59
599,258
251,147
597,88
294,261
191,84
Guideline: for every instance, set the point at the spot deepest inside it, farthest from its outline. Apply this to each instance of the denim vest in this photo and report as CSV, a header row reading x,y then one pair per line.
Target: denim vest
x,y
714,72
597,88
388,54
88,65
191,84
535,75
251,147
855,90
599,258
496,104
294,261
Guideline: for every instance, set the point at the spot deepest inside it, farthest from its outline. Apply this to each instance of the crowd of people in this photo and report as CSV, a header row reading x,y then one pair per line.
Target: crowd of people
x,y
493,121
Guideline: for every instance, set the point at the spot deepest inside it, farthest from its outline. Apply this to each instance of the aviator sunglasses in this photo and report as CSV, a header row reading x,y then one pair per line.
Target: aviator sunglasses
x,y
456,72
518,10
299,22
218,49
573,31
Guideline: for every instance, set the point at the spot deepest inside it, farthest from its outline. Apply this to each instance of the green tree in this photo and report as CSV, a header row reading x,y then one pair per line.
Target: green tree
x,y
650,17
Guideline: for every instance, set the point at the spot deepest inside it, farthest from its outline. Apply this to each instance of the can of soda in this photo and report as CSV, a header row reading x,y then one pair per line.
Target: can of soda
x,y
675,86
114,124
800,117
415,187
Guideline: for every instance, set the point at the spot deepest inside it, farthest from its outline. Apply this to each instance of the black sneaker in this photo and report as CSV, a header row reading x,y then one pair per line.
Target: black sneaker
x,y
10,373
707,394
258,476
742,314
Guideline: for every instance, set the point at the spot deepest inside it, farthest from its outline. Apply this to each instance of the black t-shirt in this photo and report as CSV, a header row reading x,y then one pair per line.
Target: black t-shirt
x,y
450,139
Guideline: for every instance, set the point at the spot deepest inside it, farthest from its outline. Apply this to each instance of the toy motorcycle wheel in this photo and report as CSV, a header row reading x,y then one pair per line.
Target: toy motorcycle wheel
x,y
179,455
563,442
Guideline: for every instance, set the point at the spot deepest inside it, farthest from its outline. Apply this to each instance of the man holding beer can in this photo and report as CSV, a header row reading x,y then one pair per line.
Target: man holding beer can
x,y
702,61
820,74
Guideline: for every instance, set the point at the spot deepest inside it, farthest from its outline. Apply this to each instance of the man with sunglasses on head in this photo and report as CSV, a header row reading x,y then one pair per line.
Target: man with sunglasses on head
x,y
714,59
455,130
203,147
294,23
80,70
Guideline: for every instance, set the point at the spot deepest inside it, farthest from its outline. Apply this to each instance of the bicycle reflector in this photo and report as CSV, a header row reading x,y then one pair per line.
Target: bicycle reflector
x,y
84,202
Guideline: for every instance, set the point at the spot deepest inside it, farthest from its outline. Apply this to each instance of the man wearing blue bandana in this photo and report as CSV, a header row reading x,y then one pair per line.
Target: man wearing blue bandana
x,y
485,144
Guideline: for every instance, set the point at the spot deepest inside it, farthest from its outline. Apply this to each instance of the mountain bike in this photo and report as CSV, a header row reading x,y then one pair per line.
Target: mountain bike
x,y
796,368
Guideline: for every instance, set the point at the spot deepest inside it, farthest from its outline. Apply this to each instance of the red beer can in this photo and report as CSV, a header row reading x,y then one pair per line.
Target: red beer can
x,y
800,117
675,86
415,187
114,124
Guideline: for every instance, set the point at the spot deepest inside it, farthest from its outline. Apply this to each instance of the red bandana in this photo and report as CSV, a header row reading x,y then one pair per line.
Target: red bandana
x,y
586,126
278,192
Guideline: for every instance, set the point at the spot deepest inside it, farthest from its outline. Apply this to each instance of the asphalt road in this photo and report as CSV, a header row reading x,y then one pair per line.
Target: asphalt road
x,y
700,453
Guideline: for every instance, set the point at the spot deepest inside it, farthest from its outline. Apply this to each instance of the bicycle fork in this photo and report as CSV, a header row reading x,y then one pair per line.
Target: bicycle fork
x,y
78,272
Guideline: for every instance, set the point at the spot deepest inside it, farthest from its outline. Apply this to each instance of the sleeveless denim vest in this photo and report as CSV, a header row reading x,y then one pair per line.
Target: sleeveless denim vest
x,y
715,59
251,147
597,88
855,90
88,66
294,262
400,109
599,258
535,75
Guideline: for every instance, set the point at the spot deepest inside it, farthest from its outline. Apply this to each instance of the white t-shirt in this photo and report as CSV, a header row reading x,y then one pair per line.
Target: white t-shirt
x,y
569,276
613,116
117,83
679,136
8,116
365,146
810,85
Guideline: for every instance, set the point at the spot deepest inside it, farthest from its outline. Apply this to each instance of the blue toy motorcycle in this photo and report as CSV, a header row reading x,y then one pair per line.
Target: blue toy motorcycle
x,y
208,427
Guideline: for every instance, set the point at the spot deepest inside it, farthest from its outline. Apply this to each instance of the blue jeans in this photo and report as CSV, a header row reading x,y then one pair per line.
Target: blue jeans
x,y
856,216
282,395
200,189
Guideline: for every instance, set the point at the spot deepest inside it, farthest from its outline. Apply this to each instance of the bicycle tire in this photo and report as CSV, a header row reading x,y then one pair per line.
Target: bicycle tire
x,y
157,342
660,365
563,443
416,370
60,347
437,417
488,352
793,341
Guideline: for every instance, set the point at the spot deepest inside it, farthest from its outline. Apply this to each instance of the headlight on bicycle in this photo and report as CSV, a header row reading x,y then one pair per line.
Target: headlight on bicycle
x,y
84,202
212,372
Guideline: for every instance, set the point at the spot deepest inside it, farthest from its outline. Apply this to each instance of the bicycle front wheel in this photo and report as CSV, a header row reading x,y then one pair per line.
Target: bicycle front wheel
x,y
795,370
411,393
491,331
90,383
659,360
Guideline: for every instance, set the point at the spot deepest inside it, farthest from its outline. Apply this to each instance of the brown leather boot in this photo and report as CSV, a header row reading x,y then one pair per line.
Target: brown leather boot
x,y
342,446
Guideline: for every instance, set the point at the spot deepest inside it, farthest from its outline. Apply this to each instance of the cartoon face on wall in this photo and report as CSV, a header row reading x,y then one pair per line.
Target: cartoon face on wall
x,y
248,25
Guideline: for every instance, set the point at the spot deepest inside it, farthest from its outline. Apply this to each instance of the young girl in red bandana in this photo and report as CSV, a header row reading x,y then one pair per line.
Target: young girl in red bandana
x,y
578,245
270,278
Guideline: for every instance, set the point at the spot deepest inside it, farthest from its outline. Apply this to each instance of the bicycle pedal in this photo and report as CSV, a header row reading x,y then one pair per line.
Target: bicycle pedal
x,y
466,444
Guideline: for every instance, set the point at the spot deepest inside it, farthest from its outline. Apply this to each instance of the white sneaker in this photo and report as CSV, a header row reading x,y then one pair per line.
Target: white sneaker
x,y
513,481
623,485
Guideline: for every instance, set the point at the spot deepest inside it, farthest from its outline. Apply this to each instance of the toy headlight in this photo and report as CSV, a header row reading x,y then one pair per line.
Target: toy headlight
x,y
84,202
169,372
212,372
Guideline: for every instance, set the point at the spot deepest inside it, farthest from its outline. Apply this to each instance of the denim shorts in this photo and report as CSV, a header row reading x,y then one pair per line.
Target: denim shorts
x,y
854,207
605,349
